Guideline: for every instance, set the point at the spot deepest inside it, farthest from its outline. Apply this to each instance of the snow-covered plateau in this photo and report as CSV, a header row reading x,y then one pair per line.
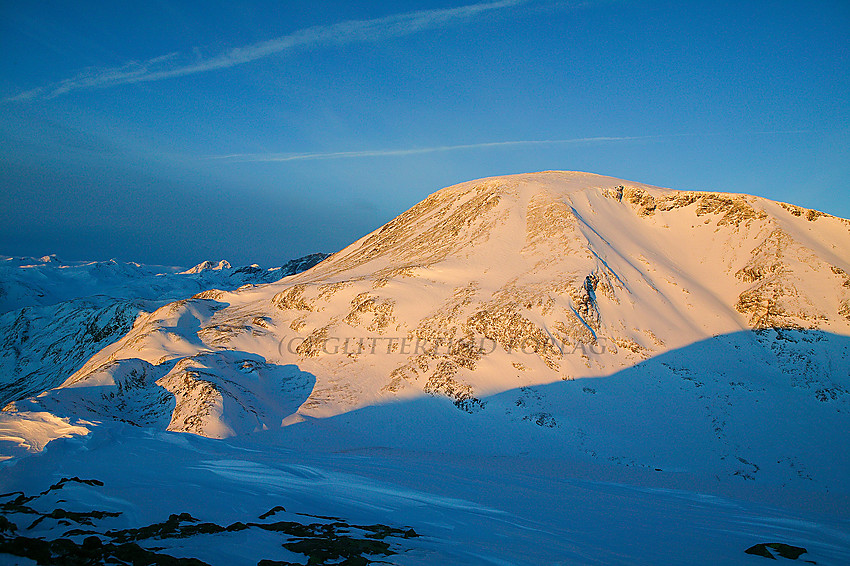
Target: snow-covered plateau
x,y
551,368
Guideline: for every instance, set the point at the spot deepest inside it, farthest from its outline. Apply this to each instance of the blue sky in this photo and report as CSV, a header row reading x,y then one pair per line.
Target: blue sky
x,y
171,132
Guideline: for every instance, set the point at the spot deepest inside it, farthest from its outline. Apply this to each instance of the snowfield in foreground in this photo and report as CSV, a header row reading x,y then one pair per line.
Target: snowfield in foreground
x,y
555,368
464,508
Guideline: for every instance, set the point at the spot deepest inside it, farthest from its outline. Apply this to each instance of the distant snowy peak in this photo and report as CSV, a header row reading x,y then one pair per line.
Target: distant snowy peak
x,y
21,261
291,267
304,263
207,266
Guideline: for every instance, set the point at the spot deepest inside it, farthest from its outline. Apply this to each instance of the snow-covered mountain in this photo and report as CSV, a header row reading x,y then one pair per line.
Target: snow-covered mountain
x,y
27,281
63,313
574,319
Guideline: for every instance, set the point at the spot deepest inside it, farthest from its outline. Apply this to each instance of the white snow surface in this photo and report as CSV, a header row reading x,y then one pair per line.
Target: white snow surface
x,y
44,281
552,368
66,312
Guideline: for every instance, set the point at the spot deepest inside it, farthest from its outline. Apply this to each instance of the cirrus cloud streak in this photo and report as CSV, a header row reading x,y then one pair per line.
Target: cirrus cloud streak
x,y
282,157
175,65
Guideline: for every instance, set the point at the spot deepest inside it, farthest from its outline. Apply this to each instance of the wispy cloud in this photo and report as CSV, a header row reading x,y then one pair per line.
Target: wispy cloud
x,y
177,65
283,157
277,157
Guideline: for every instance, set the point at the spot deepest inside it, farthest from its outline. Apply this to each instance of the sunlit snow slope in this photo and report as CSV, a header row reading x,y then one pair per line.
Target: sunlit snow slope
x,y
60,314
645,326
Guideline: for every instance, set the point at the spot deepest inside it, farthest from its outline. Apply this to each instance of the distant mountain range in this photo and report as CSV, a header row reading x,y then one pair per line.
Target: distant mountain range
x,y
27,281
58,314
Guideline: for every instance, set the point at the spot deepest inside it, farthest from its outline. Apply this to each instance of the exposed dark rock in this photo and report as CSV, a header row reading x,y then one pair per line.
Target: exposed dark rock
x,y
272,511
782,549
